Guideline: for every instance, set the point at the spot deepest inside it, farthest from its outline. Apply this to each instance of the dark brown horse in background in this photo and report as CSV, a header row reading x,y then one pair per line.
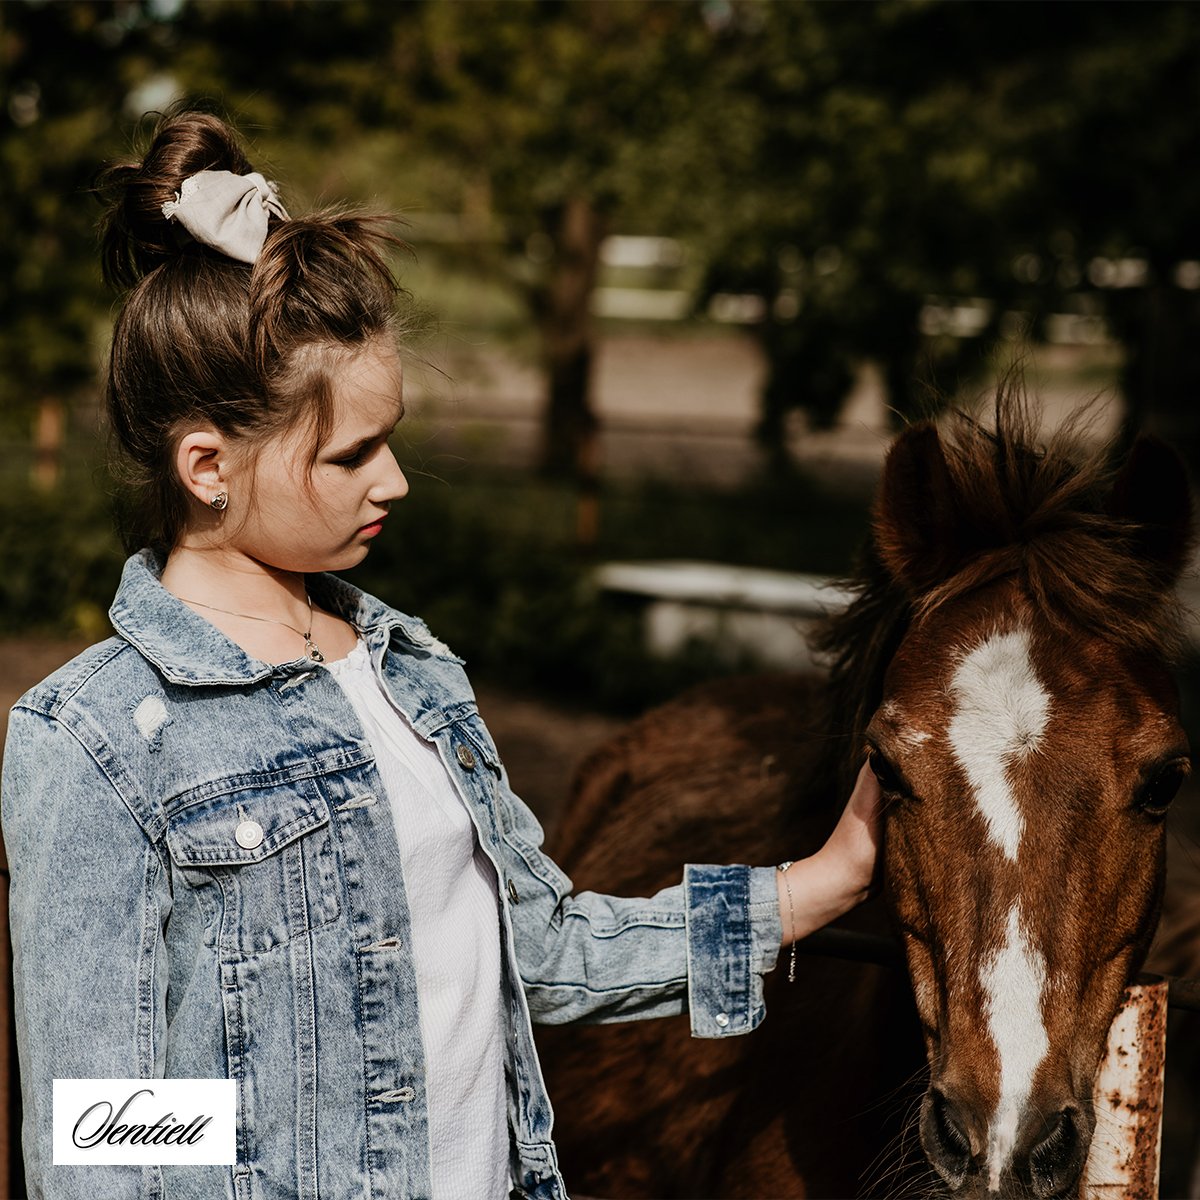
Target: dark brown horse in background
x,y
1004,666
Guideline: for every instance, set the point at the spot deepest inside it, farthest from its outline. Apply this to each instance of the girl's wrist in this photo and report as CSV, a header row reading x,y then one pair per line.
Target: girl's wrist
x,y
821,891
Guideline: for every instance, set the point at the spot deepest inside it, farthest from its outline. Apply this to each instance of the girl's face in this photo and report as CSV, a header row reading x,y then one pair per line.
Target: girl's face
x,y
326,520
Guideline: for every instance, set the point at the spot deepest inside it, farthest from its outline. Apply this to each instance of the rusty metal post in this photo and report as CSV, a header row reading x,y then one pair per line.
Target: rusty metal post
x,y
1128,1097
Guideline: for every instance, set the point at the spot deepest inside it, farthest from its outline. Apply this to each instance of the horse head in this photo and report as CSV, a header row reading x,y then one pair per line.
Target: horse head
x,y
1027,741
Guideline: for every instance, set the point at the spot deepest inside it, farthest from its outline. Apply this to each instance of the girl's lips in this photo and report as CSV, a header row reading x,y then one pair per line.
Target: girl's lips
x,y
373,528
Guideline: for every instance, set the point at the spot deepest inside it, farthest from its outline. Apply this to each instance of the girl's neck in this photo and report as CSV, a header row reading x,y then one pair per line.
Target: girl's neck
x,y
232,580
262,609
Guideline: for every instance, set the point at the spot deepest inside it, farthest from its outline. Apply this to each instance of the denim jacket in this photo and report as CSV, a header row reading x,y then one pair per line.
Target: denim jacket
x,y
148,941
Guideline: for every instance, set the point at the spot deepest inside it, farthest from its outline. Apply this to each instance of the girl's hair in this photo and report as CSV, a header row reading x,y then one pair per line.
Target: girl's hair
x,y
205,339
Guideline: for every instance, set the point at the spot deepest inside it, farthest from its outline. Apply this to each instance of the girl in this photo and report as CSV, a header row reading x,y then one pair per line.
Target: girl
x,y
262,833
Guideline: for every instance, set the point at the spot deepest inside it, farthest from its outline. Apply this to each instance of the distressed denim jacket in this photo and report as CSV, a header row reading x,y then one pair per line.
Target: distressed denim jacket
x,y
148,941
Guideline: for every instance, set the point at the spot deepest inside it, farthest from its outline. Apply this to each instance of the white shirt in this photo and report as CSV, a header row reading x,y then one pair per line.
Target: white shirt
x,y
451,889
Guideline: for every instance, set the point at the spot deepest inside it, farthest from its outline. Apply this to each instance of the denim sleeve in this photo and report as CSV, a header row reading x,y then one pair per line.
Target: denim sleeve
x,y
700,946
87,903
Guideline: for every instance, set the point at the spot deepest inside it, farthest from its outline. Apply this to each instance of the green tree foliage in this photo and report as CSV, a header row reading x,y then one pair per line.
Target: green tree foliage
x,y
844,161
1102,114
875,183
898,151
68,70
577,118
551,122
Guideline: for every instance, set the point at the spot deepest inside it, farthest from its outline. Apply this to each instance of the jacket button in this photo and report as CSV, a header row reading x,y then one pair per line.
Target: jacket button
x,y
513,894
466,758
249,834
722,1019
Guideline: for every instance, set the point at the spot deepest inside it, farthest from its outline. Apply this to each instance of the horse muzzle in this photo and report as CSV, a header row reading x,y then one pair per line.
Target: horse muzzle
x,y
973,1156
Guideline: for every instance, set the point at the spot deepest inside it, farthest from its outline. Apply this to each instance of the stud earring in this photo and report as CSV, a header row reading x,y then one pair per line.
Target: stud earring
x,y
220,501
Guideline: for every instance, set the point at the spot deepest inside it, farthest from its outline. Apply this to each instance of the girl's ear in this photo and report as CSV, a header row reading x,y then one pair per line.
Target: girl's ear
x,y
200,461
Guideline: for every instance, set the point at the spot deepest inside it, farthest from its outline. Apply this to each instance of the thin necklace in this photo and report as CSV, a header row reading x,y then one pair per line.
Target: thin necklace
x,y
310,647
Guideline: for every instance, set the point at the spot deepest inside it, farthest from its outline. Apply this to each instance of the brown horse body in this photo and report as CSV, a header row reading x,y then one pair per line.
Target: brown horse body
x,y
1004,667
727,771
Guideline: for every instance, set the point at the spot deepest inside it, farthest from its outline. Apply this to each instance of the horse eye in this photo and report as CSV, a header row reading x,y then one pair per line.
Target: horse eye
x,y
887,775
1158,792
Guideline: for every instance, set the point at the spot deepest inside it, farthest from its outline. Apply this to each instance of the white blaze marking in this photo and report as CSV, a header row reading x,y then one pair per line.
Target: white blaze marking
x,y
1002,711
1013,980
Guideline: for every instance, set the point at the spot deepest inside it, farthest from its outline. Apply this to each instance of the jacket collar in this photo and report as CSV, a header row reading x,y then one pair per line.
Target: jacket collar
x,y
188,650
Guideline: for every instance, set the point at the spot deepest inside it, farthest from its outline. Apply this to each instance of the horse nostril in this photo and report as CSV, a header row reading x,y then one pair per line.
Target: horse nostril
x,y
947,1146
1055,1162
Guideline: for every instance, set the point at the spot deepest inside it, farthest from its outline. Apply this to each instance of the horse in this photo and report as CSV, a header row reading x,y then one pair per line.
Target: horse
x,y
1005,667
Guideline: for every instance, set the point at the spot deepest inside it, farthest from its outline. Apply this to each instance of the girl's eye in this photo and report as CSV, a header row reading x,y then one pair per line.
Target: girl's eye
x,y
354,460
360,456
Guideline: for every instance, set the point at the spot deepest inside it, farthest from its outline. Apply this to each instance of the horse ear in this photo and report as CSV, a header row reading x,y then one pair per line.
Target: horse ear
x,y
917,527
1152,492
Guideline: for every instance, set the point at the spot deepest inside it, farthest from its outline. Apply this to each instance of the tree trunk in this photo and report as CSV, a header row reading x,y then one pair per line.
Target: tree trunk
x,y
49,433
563,308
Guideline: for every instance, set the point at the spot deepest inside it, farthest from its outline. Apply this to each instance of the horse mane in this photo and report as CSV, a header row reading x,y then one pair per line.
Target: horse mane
x,y
1039,512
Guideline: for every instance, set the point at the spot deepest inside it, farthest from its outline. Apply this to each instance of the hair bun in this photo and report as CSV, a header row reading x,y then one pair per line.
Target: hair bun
x,y
136,236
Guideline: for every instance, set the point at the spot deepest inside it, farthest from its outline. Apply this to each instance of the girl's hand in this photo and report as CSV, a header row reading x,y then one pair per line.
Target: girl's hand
x,y
840,874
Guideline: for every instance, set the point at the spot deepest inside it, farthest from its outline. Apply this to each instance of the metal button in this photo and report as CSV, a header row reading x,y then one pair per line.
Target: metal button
x,y
466,758
249,834
722,1019
513,894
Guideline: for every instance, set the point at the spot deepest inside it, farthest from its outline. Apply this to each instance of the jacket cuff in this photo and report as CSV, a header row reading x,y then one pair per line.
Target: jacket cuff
x,y
733,934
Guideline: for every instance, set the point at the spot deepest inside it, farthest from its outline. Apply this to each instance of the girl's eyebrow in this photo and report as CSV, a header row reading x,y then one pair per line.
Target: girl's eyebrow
x,y
363,442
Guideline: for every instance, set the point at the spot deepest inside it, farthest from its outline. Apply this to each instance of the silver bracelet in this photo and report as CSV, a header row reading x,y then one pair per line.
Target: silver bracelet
x,y
787,883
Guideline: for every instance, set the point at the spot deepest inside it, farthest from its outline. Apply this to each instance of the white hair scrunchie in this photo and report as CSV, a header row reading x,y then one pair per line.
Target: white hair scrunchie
x,y
226,211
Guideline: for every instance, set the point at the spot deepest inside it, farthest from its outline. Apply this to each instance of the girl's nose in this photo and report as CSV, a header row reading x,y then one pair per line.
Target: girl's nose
x,y
392,483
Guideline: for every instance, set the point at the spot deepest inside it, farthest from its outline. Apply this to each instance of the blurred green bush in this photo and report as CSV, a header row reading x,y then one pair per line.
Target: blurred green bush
x,y
61,560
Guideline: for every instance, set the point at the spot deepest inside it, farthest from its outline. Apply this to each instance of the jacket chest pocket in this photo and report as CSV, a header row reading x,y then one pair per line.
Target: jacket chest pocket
x,y
263,862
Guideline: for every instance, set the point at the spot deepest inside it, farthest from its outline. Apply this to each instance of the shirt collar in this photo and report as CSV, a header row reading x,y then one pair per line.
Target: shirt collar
x,y
187,649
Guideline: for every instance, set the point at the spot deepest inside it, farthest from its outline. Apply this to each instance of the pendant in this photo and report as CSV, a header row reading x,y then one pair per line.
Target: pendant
x,y
310,648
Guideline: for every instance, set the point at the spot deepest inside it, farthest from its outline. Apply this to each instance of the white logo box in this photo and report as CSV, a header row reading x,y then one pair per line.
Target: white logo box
x,y
144,1121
